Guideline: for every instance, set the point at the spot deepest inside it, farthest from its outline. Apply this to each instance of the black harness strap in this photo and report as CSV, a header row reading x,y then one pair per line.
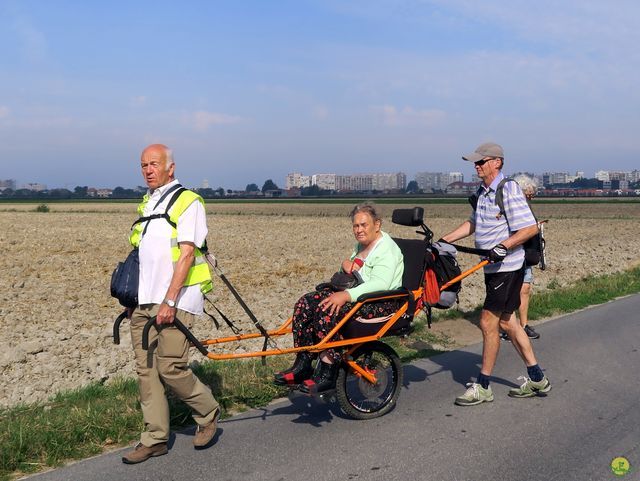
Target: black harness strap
x,y
178,189
227,321
215,321
244,306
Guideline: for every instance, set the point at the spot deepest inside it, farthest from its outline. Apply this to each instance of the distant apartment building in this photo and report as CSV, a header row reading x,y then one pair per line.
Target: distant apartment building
x,y
349,182
614,184
34,186
551,178
384,182
623,175
324,181
602,175
355,182
628,176
101,193
297,180
8,184
430,181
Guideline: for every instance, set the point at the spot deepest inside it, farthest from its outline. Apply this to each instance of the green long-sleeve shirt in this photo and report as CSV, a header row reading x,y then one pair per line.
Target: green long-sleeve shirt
x,y
382,270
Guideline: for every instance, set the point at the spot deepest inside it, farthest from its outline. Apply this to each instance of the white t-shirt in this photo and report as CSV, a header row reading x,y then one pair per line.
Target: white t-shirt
x,y
156,265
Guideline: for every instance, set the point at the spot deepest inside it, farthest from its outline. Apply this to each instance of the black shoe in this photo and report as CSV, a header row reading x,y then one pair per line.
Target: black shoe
x,y
504,337
531,332
297,373
323,379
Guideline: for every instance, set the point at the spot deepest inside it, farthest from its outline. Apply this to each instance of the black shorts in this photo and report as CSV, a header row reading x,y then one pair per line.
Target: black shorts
x,y
503,291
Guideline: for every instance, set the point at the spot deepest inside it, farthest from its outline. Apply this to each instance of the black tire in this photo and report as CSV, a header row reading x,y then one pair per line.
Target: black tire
x,y
360,399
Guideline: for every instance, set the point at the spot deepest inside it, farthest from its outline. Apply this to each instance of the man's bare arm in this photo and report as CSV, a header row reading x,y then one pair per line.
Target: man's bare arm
x,y
463,230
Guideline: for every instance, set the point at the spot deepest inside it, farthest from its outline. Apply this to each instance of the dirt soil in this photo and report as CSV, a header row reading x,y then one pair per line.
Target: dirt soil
x,y
56,313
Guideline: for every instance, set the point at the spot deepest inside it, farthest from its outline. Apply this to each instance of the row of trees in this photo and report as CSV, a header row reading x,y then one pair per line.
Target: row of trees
x,y
268,185
63,194
82,192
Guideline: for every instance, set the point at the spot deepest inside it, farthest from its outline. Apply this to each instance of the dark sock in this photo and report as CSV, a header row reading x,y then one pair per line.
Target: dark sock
x,y
535,373
484,380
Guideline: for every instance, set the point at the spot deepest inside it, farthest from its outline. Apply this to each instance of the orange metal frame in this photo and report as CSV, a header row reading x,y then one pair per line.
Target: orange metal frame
x,y
327,343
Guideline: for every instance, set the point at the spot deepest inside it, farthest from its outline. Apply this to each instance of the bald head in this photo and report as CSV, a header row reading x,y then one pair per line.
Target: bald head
x,y
165,152
157,165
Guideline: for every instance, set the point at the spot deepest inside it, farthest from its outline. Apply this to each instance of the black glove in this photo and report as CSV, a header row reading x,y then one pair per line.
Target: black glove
x,y
497,254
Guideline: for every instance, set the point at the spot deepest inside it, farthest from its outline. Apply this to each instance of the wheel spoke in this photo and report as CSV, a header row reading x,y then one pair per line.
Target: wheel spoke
x,y
361,399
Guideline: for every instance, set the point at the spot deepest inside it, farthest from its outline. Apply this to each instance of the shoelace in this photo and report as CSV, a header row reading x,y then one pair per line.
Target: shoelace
x,y
473,389
525,379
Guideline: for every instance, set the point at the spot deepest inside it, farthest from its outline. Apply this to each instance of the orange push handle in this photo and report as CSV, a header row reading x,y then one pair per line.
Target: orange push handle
x,y
466,273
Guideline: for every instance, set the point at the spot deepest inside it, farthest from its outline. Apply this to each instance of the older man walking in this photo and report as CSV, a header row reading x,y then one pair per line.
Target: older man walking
x,y
503,236
173,278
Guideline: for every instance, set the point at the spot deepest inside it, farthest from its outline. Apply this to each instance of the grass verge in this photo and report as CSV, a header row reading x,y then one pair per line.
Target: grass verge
x,y
586,292
86,421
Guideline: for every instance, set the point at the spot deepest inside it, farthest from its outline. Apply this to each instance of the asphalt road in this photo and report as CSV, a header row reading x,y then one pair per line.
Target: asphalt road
x,y
591,416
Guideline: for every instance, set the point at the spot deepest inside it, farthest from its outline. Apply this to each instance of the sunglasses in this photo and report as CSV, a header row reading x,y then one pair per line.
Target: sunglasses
x,y
482,162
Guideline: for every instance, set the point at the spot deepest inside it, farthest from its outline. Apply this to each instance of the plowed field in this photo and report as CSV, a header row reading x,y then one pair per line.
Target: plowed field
x,y
56,312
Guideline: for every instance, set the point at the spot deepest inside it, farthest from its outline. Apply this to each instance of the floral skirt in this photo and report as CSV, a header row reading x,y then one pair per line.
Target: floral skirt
x,y
311,324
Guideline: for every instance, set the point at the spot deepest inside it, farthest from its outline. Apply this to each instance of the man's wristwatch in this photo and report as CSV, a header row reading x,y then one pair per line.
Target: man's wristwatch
x,y
169,303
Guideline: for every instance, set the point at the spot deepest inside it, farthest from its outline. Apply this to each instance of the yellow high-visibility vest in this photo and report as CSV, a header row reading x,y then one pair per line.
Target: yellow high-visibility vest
x,y
199,272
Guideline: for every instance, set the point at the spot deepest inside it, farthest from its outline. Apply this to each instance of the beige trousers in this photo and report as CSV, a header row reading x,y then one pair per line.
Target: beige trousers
x,y
168,366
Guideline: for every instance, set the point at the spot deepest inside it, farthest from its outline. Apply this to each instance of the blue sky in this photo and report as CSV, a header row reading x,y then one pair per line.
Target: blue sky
x,y
244,91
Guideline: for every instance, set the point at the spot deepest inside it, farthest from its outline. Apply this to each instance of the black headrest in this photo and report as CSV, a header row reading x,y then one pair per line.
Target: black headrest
x,y
414,252
409,217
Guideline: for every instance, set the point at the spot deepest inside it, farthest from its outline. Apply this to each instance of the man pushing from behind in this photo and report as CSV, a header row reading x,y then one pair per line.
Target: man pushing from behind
x,y
503,236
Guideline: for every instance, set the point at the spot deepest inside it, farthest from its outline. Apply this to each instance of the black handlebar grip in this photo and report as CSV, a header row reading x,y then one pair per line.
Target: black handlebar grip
x,y
145,333
116,326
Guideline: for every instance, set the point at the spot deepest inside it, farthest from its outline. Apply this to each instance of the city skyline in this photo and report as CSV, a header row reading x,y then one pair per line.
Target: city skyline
x,y
380,181
247,91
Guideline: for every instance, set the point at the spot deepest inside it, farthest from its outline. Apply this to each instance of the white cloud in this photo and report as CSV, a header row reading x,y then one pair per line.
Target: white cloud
x,y
391,115
138,101
4,112
599,26
201,120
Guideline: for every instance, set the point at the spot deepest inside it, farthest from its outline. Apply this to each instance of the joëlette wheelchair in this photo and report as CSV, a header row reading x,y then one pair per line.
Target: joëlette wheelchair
x,y
370,377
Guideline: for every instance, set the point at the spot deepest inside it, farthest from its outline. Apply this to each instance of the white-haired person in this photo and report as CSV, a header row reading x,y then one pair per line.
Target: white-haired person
x,y
529,186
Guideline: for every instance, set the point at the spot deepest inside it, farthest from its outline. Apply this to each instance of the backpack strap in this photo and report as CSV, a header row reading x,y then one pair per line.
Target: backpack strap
x,y
473,199
500,195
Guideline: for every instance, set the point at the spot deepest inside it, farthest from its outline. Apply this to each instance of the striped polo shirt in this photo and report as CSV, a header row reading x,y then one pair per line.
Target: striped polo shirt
x,y
491,228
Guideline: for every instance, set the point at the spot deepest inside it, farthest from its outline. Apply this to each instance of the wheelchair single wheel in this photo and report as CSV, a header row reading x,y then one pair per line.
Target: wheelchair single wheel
x,y
361,399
